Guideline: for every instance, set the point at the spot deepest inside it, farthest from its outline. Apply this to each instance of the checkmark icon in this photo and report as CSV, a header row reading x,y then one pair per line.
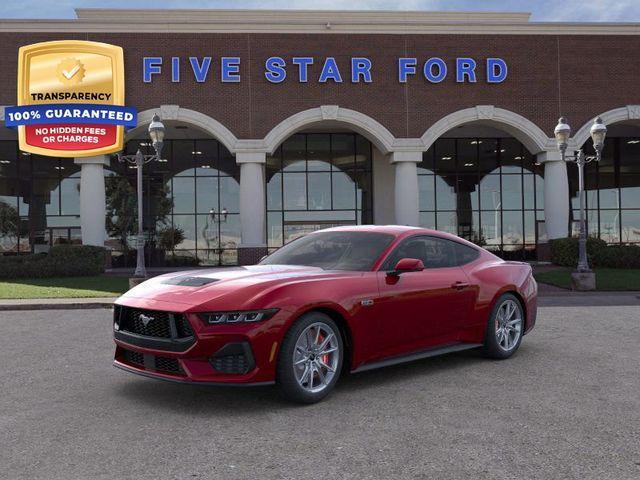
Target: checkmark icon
x,y
71,73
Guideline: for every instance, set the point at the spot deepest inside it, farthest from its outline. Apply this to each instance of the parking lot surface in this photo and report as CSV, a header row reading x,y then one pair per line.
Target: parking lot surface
x,y
566,406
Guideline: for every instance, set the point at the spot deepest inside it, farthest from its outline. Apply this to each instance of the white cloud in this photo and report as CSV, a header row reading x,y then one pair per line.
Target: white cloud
x,y
597,11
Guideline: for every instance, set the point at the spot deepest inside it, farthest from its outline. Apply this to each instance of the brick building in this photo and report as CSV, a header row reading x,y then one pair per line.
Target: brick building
x,y
283,122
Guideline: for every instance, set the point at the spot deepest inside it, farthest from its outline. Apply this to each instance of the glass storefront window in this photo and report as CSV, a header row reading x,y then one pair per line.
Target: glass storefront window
x,y
194,189
207,195
39,198
630,189
445,195
612,191
315,181
487,190
630,224
512,192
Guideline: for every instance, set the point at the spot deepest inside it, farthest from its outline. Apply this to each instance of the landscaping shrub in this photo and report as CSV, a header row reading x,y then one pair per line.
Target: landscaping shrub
x,y
618,256
61,261
564,252
181,261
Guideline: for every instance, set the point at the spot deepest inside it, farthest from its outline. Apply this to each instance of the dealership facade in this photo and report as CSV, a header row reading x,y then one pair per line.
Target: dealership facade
x,y
283,122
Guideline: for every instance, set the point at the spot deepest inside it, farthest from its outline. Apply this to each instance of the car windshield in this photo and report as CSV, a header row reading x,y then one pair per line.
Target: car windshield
x,y
352,251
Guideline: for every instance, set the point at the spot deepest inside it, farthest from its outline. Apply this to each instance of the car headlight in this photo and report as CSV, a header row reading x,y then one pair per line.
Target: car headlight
x,y
249,316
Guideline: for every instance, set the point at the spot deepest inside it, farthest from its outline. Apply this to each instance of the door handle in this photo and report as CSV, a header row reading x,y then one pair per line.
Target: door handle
x,y
460,285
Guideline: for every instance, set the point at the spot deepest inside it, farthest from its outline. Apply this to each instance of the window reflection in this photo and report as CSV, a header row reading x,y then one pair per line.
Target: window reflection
x,y
199,182
39,200
487,190
612,191
315,181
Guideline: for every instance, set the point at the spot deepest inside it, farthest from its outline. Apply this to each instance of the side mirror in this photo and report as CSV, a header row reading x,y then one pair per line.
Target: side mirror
x,y
407,265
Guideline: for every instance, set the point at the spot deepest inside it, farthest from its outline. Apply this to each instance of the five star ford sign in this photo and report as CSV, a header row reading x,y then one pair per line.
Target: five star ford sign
x,y
70,99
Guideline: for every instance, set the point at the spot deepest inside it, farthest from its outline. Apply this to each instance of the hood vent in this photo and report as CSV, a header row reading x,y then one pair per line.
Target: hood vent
x,y
189,281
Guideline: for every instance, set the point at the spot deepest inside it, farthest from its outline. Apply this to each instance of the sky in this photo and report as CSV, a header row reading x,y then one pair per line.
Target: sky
x,y
542,10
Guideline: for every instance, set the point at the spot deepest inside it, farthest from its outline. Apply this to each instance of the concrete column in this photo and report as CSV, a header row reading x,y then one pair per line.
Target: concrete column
x,y
406,187
383,187
252,207
93,208
556,194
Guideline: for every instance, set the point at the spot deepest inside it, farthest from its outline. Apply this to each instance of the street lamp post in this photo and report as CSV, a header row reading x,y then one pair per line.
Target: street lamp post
x,y
156,133
562,133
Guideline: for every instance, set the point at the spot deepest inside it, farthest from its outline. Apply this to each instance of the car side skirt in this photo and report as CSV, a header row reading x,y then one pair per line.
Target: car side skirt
x,y
431,352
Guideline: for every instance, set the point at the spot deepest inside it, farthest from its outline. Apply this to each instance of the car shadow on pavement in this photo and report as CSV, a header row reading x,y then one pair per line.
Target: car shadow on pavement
x,y
412,371
210,400
200,399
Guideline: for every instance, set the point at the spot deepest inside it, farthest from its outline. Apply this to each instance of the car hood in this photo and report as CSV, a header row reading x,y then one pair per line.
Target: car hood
x,y
198,287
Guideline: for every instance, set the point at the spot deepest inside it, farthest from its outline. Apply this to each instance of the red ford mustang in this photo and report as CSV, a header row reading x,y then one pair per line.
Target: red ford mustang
x,y
339,300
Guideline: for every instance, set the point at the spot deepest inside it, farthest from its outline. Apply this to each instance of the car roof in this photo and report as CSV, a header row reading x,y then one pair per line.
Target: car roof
x,y
396,230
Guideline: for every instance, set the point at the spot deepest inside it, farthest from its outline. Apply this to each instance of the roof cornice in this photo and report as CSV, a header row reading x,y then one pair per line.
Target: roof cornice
x,y
308,21
295,16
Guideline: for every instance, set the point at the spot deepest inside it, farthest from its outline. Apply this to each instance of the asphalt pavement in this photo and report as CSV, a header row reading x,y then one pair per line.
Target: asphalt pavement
x,y
567,406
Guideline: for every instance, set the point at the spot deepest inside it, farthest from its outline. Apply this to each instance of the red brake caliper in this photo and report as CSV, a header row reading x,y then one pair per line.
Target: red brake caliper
x,y
325,357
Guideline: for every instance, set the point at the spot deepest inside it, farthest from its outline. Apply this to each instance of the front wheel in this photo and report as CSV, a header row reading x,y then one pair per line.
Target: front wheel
x,y
310,359
505,327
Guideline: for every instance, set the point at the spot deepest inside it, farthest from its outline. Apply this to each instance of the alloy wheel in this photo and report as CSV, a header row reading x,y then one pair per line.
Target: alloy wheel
x,y
508,325
316,357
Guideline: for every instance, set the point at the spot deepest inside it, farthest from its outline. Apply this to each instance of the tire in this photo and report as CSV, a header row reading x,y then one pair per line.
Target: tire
x,y
304,374
504,328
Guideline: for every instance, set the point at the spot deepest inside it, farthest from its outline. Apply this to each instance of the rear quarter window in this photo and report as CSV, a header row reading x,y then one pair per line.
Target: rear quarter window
x,y
465,254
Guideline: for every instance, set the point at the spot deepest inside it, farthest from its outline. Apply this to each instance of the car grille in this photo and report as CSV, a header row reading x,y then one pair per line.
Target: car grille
x,y
166,364
234,359
162,364
232,364
135,358
152,323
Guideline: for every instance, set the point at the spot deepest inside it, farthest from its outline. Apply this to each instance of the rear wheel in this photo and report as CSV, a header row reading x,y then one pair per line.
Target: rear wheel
x,y
505,327
310,359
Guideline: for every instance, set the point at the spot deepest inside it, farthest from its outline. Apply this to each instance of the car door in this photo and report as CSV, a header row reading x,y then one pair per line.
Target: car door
x,y
417,310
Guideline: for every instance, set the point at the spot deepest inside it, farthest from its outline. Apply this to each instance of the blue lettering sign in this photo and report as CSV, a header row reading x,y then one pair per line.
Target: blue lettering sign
x,y
151,66
428,70
406,66
303,65
496,70
434,69
230,70
360,67
330,71
465,67
275,69
200,71
175,69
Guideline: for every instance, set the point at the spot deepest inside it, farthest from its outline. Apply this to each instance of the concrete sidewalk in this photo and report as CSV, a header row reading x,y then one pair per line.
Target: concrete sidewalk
x,y
55,303
547,297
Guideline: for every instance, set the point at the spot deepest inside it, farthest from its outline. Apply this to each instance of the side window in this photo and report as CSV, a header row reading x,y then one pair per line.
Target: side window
x,y
434,252
440,253
465,254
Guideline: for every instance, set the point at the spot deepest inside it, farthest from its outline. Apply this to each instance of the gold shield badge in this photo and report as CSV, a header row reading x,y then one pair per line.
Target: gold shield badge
x,y
73,88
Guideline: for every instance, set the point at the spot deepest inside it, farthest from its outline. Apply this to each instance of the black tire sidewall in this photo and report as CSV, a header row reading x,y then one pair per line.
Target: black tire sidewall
x,y
285,377
491,347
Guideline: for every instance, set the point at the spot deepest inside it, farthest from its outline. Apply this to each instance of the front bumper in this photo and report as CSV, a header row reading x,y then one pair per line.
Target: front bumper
x,y
170,378
234,354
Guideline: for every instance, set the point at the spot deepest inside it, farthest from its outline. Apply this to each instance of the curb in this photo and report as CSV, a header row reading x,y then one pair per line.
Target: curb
x,y
604,298
8,307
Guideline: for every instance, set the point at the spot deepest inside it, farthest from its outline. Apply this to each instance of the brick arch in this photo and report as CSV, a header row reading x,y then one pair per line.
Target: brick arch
x,y
622,114
527,132
374,131
192,117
